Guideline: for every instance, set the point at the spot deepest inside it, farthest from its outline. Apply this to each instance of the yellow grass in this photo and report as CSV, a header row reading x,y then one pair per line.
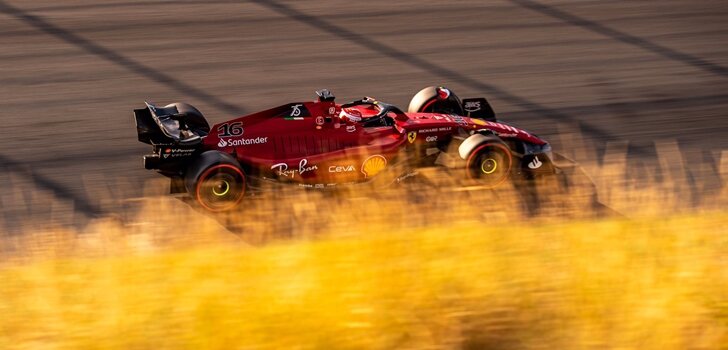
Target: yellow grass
x,y
649,283
431,267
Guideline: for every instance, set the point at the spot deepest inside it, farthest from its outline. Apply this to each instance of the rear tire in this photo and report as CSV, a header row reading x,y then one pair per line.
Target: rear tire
x,y
216,181
436,99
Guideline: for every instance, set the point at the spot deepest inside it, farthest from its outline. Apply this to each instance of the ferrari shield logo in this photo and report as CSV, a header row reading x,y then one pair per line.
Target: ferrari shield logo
x,y
411,136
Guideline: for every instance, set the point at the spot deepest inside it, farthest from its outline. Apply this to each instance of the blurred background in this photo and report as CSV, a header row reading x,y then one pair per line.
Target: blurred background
x,y
630,73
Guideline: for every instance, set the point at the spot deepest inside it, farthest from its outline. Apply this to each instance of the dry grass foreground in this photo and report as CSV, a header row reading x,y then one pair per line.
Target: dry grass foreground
x,y
657,283
396,270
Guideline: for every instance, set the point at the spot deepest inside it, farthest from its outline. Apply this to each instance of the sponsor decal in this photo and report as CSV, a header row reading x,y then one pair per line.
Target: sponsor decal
x,y
304,168
350,128
230,130
332,110
458,119
431,130
509,130
319,186
281,169
439,117
431,138
373,165
411,136
479,122
341,168
405,176
177,152
297,112
319,120
472,106
535,163
337,125
242,142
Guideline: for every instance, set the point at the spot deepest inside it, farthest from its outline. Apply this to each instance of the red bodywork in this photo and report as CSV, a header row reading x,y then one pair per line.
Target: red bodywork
x,y
308,143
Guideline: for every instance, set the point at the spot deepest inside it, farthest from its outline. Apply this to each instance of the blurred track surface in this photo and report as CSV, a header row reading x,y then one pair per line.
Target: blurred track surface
x,y
71,72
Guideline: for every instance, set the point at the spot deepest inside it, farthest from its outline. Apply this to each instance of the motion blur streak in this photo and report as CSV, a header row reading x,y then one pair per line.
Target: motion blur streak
x,y
663,51
440,71
118,59
82,204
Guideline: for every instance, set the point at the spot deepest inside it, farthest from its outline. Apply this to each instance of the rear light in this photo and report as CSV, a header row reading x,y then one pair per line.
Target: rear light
x,y
151,162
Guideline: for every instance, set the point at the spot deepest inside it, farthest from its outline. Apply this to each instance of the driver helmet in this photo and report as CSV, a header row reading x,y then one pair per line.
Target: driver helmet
x,y
352,115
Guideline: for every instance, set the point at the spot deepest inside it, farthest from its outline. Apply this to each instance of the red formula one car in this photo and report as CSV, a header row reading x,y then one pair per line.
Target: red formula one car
x,y
322,145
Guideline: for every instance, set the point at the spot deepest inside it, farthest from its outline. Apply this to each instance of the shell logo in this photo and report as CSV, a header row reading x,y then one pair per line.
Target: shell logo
x,y
373,165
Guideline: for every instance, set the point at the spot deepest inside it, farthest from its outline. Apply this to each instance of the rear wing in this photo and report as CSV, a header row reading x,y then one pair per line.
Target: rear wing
x,y
148,131
157,125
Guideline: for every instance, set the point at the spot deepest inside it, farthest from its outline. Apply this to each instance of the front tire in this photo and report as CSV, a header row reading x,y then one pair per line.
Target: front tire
x,y
489,164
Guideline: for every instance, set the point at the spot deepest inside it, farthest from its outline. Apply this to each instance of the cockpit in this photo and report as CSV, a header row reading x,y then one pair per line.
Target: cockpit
x,y
369,113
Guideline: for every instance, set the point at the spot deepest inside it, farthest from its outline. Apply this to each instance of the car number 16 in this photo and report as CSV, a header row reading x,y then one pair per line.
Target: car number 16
x,y
230,129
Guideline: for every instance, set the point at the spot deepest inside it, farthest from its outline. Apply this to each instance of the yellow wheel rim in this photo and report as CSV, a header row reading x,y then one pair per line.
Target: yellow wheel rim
x,y
224,188
489,166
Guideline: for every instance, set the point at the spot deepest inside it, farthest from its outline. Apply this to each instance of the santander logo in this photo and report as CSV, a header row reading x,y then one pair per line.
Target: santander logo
x,y
535,163
242,142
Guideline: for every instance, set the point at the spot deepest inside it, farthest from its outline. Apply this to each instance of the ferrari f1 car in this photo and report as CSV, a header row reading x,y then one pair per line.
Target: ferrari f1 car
x,y
322,144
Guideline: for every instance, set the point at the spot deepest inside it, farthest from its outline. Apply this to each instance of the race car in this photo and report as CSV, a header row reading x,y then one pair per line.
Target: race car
x,y
323,145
